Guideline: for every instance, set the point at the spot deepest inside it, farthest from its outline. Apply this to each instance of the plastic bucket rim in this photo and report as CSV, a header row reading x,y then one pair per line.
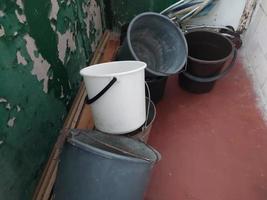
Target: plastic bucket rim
x,y
212,61
83,71
111,155
128,39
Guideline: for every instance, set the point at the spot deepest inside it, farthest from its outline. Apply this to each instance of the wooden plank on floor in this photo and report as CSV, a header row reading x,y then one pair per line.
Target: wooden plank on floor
x,y
81,93
43,192
96,59
111,51
46,182
85,120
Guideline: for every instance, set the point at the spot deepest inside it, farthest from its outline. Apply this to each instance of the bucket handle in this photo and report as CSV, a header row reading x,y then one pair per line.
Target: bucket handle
x,y
185,68
148,107
214,78
102,92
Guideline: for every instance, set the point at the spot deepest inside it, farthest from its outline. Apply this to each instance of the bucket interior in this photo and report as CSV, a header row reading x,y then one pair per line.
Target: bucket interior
x,y
113,68
158,42
112,146
208,46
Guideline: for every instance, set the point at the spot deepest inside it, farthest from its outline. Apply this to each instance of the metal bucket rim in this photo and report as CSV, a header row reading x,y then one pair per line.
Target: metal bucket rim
x,y
111,155
212,61
128,38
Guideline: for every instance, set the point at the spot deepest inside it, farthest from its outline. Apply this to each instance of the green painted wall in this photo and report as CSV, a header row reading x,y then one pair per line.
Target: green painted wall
x,y
43,45
122,11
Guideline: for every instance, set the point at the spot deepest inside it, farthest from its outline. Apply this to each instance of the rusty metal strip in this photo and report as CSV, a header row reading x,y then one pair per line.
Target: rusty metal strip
x,y
247,15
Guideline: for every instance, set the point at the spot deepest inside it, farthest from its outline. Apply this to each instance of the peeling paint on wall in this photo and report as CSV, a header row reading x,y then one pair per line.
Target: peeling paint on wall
x,y
11,122
2,31
43,46
2,14
8,107
40,65
53,14
54,10
21,59
21,18
18,108
93,22
65,40
2,100
20,4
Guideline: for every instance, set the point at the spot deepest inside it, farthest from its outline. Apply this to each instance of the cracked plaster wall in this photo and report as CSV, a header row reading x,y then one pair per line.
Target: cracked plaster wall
x,y
43,46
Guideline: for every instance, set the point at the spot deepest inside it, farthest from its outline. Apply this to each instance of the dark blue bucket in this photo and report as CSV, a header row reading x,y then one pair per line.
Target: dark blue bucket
x,y
97,166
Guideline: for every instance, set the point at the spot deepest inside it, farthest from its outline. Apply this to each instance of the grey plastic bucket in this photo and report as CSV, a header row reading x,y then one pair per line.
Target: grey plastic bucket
x,y
157,41
143,132
98,166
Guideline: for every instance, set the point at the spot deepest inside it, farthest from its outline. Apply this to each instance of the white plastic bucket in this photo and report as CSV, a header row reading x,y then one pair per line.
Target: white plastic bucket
x,y
120,108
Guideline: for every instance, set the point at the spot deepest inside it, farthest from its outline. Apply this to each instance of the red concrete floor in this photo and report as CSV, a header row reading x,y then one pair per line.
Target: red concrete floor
x,y
213,146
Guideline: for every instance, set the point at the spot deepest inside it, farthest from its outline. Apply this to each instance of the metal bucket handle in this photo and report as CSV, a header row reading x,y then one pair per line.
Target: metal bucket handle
x,y
192,27
214,78
108,86
148,107
230,33
102,92
185,67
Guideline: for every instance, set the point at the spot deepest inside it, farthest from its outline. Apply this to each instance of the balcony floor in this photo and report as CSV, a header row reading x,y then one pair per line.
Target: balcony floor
x,y
213,146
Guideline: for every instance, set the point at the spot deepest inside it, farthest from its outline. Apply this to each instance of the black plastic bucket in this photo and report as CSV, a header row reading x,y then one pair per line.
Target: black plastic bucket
x,y
156,86
208,54
98,166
